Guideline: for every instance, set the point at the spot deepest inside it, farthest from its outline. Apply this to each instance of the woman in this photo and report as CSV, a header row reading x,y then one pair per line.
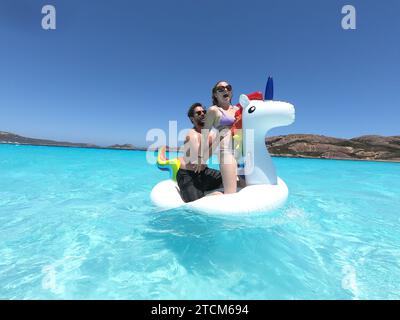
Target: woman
x,y
221,116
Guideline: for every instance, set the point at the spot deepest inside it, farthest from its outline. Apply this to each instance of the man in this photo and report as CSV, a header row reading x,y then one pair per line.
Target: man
x,y
194,185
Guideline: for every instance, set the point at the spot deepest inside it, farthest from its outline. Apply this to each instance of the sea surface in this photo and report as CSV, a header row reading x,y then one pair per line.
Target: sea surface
x,y
78,224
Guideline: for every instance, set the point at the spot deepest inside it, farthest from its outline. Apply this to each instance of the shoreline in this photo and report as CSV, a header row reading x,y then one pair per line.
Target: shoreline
x,y
341,159
154,150
72,146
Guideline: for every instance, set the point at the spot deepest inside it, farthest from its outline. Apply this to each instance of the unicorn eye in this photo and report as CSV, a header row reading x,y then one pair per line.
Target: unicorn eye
x,y
252,109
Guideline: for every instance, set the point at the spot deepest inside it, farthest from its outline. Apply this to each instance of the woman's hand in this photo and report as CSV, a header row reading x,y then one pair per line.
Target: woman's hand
x,y
199,166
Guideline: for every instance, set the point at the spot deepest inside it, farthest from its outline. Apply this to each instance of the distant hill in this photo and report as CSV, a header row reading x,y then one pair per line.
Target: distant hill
x,y
12,138
376,148
373,147
126,147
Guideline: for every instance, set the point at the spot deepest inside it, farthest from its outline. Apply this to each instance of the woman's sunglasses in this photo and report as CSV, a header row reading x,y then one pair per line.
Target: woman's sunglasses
x,y
199,113
222,88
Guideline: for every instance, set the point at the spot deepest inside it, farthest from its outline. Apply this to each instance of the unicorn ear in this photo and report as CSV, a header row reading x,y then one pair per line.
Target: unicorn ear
x,y
269,90
244,100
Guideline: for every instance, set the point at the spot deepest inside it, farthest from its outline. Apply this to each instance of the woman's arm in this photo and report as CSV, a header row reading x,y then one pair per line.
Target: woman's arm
x,y
212,118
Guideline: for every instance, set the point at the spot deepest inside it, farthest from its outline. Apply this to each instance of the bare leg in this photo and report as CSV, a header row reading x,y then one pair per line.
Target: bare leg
x,y
215,193
228,172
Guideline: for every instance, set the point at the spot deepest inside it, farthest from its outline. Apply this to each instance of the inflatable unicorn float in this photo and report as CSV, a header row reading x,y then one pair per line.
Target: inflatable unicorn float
x,y
264,190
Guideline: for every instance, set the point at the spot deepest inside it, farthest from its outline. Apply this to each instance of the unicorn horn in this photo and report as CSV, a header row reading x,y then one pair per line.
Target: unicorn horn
x,y
269,89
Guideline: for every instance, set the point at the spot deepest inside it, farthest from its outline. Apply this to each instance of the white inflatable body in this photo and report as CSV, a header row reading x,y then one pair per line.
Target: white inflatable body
x,y
265,191
252,199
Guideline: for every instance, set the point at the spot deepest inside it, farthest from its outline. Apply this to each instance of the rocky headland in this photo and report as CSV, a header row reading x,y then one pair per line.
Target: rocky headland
x,y
372,147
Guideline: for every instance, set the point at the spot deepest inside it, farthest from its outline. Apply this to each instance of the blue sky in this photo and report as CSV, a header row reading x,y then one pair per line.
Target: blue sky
x,y
112,70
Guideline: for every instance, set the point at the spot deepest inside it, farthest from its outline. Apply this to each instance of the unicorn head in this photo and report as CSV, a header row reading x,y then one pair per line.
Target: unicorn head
x,y
258,117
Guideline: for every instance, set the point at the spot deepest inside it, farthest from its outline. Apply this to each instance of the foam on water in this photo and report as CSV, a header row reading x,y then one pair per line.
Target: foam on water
x,y
78,224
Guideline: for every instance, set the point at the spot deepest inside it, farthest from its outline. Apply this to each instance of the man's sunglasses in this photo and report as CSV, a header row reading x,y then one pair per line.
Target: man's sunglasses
x,y
199,113
222,88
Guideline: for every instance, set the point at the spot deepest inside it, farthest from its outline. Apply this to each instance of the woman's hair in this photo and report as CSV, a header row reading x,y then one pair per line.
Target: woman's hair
x,y
214,90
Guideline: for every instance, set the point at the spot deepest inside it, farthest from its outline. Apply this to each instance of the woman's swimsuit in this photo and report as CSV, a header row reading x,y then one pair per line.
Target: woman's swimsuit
x,y
225,123
226,120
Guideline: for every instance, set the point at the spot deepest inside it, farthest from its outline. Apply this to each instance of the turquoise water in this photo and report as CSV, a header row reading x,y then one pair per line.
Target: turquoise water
x,y
78,224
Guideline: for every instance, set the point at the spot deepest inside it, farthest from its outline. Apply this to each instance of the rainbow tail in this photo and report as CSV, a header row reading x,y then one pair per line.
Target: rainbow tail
x,y
165,164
